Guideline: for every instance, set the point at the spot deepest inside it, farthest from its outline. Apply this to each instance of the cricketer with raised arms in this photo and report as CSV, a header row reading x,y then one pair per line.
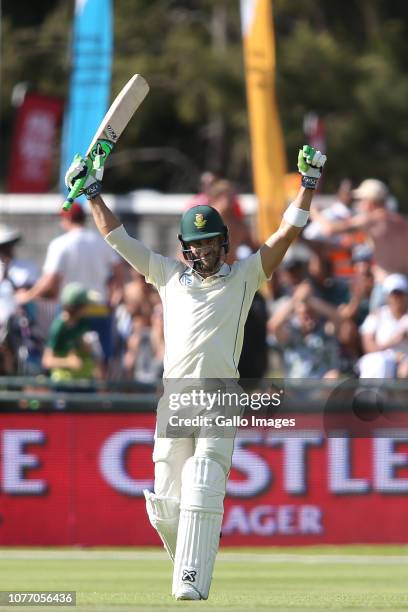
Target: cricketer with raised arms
x,y
205,306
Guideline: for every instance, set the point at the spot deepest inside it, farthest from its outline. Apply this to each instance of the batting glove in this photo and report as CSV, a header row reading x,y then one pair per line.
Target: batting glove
x,y
310,165
84,169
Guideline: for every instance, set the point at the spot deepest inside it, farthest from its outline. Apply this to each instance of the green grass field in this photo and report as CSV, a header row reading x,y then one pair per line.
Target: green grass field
x,y
312,578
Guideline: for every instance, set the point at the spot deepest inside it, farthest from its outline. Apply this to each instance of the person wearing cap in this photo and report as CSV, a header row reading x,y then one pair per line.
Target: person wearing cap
x,y
68,355
80,255
384,334
205,305
15,275
21,273
387,231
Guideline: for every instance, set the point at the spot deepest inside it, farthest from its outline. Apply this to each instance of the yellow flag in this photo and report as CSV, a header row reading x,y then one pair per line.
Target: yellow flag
x,y
267,143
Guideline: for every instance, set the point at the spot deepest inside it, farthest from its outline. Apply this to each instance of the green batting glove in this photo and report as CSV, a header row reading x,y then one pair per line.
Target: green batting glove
x,y
83,177
310,165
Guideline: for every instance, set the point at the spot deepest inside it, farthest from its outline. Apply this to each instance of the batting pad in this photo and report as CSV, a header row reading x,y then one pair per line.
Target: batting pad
x,y
164,515
203,484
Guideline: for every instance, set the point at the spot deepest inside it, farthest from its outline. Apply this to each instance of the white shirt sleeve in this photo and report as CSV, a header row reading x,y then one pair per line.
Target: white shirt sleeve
x,y
111,257
370,324
154,267
135,253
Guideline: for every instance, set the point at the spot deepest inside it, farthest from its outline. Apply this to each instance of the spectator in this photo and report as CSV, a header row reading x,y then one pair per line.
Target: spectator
x,y
362,258
80,255
336,248
20,342
137,291
310,349
66,255
143,360
338,210
387,230
325,286
222,197
135,323
8,304
69,354
385,334
8,308
353,313
361,286
21,273
291,272
207,180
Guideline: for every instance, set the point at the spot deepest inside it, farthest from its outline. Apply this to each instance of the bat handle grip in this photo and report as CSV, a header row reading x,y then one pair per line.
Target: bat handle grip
x,y
74,193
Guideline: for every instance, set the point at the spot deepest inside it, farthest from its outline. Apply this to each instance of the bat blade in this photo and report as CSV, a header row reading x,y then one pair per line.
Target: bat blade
x,y
121,111
116,119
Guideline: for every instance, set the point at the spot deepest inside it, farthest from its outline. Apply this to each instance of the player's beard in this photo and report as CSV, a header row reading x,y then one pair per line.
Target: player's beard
x,y
209,263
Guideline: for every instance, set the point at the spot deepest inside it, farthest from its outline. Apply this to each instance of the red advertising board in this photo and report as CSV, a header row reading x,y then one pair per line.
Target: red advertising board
x,y
33,144
69,478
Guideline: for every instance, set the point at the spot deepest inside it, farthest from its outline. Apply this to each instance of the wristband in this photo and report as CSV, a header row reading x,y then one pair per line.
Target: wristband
x,y
309,182
93,190
296,216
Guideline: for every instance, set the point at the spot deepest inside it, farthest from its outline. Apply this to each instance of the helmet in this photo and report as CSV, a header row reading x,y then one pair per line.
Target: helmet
x,y
201,222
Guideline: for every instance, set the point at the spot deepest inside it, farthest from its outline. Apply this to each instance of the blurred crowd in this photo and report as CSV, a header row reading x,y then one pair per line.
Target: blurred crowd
x,y
337,306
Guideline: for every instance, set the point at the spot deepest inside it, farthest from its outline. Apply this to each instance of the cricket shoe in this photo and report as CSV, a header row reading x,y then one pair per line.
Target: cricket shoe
x,y
187,592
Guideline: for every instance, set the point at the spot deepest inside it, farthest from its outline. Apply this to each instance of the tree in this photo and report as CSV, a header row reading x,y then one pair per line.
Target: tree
x,y
345,61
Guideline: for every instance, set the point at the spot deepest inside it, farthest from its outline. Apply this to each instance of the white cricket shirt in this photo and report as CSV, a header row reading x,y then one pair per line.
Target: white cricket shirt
x,y
203,318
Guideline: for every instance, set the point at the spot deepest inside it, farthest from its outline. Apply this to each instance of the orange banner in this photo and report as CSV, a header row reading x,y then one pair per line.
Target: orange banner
x,y
267,143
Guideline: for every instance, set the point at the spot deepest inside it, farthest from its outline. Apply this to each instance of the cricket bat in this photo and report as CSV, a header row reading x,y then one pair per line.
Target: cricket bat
x,y
116,119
